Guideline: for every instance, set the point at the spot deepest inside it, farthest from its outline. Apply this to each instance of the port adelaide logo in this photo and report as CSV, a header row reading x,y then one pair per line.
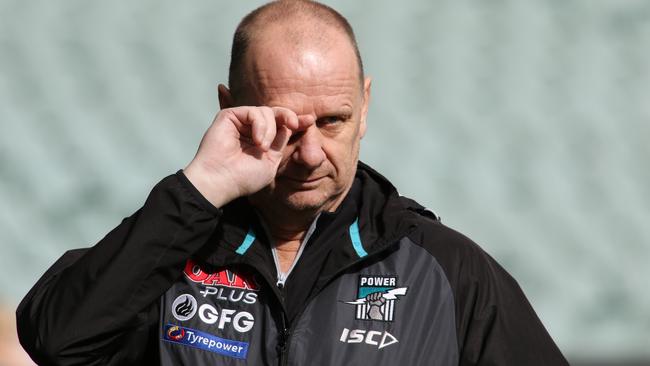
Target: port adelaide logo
x,y
377,297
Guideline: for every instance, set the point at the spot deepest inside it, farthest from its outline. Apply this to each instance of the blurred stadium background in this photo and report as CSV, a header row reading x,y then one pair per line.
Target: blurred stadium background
x,y
524,124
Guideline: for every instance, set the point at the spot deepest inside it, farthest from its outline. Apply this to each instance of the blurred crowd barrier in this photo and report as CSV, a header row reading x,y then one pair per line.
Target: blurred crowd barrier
x,y
524,124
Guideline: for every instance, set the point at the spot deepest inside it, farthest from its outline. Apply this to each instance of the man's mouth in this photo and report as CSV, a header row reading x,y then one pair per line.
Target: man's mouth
x,y
308,181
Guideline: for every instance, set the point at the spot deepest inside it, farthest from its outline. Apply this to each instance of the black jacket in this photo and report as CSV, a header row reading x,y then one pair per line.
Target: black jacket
x,y
381,282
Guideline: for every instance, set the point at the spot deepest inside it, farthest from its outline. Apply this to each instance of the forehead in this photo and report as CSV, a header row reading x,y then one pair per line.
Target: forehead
x,y
303,76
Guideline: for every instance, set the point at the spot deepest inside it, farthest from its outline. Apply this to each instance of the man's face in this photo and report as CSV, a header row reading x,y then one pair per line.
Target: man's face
x,y
320,83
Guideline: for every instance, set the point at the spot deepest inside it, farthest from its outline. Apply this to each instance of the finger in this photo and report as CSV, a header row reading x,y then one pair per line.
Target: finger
x,y
251,117
271,127
286,117
281,138
258,126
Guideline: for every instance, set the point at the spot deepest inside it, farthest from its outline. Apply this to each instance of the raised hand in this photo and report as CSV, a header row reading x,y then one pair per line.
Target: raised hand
x,y
375,300
240,152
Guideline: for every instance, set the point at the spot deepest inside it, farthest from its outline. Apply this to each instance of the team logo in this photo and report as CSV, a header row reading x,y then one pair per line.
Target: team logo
x,y
376,297
175,333
184,307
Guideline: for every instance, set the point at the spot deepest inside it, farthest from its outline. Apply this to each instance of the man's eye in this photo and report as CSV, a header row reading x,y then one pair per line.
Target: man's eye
x,y
329,120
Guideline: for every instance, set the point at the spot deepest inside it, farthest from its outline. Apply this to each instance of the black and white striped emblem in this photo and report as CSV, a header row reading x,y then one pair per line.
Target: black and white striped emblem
x,y
377,296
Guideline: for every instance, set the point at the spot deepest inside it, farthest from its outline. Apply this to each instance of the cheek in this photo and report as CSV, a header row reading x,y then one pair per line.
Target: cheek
x,y
343,155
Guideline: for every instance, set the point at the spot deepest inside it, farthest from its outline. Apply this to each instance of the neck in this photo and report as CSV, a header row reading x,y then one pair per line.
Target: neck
x,y
287,233
286,225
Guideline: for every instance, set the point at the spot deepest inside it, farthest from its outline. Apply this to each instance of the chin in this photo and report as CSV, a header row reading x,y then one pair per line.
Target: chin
x,y
306,200
317,199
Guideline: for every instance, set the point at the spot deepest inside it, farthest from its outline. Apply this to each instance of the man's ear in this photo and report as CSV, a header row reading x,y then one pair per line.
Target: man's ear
x,y
367,82
225,97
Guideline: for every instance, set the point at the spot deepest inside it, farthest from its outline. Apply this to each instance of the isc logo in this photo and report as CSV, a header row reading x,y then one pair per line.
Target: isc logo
x,y
371,337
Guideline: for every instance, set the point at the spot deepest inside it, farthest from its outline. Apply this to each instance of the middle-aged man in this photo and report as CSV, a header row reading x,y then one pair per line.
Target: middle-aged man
x,y
276,246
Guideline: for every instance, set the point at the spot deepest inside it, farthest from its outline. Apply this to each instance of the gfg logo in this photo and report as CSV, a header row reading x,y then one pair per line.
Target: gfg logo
x,y
185,307
371,337
242,321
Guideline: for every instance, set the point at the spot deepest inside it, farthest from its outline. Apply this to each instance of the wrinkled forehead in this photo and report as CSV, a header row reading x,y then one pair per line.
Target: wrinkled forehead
x,y
280,67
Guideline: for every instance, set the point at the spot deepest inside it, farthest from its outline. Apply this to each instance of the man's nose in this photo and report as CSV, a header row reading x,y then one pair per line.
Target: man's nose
x,y
309,145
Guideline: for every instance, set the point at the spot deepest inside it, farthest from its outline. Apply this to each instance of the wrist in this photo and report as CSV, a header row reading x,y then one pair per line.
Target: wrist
x,y
214,188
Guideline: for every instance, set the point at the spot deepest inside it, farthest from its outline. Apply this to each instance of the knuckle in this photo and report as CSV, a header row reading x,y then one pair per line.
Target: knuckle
x,y
265,110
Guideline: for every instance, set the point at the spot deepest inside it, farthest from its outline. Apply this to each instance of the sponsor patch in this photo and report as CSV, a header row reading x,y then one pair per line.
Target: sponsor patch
x,y
229,294
207,342
376,297
369,337
184,307
223,278
224,284
175,333
242,321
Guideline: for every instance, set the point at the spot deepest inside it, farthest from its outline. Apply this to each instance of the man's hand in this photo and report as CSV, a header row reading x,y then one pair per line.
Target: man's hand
x,y
240,152
375,300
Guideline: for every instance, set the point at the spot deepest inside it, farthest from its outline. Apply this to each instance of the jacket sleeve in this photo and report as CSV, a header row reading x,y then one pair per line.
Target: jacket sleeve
x,y
495,323
98,305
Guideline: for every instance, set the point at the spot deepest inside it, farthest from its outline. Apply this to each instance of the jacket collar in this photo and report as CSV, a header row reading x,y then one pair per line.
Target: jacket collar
x,y
371,218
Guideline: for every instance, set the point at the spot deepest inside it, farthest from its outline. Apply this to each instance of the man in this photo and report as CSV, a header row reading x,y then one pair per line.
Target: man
x,y
276,246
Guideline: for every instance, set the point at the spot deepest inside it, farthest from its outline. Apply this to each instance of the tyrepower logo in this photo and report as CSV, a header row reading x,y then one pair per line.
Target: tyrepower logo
x,y
369,337
223,285
205,341
175,333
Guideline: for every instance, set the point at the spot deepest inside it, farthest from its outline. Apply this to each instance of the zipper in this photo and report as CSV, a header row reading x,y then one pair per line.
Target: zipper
x,y
283,341
281,278
284,331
